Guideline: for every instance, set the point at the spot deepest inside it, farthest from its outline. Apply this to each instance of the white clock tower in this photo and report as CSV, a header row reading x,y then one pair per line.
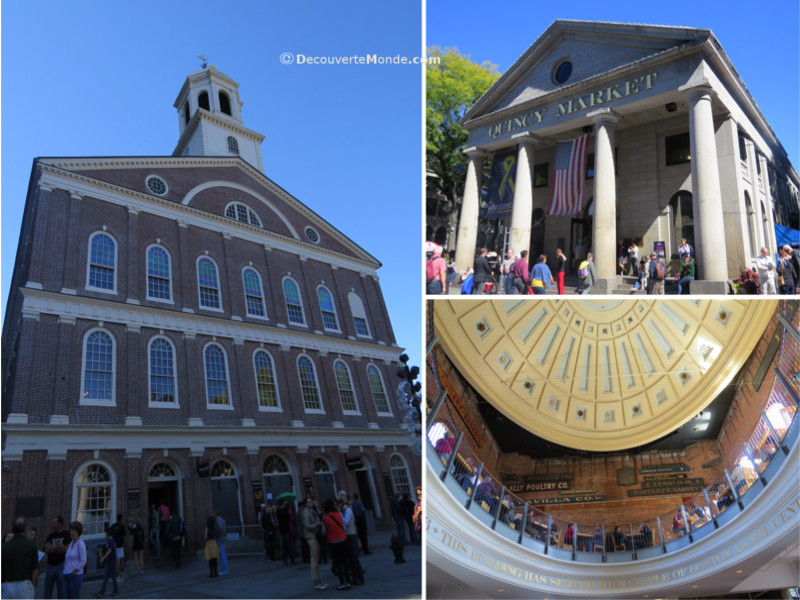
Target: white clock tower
x,y
210,119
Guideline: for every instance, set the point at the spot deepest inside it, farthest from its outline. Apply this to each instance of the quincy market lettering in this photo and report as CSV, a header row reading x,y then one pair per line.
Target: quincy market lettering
x,y
438,534
579,103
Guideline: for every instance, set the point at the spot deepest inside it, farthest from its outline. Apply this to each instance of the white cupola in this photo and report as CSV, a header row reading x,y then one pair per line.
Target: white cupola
x,y
210,119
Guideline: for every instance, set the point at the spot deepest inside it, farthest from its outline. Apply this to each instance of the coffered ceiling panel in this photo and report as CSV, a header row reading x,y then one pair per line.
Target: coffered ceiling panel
x,y
600,375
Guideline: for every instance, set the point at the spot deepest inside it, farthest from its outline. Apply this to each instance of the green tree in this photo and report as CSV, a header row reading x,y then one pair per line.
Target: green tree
x,y
453,86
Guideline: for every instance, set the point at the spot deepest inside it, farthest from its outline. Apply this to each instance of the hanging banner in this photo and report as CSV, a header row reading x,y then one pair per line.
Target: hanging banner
x,y
501,185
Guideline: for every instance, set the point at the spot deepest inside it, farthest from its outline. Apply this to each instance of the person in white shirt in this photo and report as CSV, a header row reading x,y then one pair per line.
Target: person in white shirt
x,y
765,266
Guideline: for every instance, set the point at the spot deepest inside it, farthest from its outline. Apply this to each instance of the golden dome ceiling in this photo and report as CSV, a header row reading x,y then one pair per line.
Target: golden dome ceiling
x,y
600,375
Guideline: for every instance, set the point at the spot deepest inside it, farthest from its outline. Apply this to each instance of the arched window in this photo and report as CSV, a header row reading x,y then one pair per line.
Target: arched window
x,y
202,100
329,320
99,369
266,385
186,113
222,469
378,391
163,384
345,384
400,477
308,384
102,263
242,212
359,314
233,145
159,274
253,293
294,305
224,103
217,384
208,284
94,498
765,224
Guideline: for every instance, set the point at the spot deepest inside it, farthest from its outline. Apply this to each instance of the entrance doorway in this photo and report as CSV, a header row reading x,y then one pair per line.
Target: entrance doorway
x,y
366,490
326,485
277,478
225,493
163,485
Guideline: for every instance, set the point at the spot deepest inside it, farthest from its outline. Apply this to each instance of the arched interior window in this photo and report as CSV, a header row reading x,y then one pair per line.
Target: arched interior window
x,y
98,368
102,262
377,389
222,468
163,389
202,101
329,320
217,387
308,384
159,278
253,293
266,385
294,305
233,145
94,493
359,314
345,384
224,103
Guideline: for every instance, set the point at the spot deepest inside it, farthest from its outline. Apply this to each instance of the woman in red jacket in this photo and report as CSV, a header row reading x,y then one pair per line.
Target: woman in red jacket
x,y
334,531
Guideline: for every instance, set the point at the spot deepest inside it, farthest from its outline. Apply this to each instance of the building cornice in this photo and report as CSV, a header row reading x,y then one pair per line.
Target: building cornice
x,y
61,174
135,438
71,307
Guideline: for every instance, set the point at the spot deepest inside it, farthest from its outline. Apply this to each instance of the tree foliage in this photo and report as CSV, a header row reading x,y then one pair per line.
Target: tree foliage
x,y
453,86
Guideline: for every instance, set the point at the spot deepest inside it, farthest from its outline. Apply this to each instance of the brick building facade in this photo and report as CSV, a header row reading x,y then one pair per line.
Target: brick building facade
x,y
182,329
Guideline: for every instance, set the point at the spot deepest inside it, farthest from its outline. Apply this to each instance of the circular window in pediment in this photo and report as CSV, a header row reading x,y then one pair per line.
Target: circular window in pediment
x,y
562,71
312,235
157,185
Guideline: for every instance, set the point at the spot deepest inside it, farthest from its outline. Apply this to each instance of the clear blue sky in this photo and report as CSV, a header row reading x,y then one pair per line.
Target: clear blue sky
x,y
85,78
760,39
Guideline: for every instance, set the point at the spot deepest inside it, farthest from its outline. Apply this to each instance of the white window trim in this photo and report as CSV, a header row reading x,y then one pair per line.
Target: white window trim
x,y
386,393
89,264
357,411
279,407
335,313
286,303
411,489
219,285
167,405
113,495
310,411
147,275
209,405
265,316
93,401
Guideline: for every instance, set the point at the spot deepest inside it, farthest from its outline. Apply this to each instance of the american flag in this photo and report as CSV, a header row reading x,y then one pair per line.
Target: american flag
x,y
569,175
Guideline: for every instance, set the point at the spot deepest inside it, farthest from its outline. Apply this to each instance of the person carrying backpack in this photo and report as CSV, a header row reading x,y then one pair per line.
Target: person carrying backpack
x,y
586,275
658,272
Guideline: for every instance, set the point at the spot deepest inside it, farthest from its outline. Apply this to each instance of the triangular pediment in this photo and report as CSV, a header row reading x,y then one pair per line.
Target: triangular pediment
x,y
591,48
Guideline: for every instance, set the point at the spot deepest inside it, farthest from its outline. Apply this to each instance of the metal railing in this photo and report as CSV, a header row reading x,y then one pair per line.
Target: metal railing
x,y
772,437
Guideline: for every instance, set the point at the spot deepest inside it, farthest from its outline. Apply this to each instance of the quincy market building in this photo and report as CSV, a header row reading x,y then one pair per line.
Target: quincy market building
x,y
677,148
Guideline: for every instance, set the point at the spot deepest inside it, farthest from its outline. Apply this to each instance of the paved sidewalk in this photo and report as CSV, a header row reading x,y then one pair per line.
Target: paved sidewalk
x,y
253,577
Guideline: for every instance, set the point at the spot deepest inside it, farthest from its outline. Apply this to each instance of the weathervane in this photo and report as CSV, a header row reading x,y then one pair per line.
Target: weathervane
x,y
204,59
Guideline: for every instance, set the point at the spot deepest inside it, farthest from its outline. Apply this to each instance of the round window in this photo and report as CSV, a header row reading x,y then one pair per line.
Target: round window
x,y
157,185
312,235
562,72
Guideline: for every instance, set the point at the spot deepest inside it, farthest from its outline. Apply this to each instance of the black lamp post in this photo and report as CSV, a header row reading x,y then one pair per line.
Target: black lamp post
x,y
410,395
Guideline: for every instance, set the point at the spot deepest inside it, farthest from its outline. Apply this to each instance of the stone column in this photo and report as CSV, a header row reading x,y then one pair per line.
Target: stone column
x,y
523,195
712,259
470,205
604,226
